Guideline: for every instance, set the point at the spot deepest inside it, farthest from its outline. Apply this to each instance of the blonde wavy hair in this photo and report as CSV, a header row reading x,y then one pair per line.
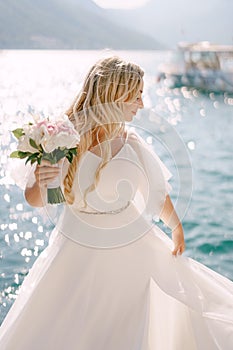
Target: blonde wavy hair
x,y
97,112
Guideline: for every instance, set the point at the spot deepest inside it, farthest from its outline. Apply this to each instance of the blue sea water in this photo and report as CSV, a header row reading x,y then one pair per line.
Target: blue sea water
x,y
191,132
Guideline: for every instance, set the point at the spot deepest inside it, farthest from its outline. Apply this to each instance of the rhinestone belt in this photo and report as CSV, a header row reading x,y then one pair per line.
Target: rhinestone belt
x,y
116,211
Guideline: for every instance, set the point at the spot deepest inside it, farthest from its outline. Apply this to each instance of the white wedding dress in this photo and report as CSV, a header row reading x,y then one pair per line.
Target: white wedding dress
x,y
108,280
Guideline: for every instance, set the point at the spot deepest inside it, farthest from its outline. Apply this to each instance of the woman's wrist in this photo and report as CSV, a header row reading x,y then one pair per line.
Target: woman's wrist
x,y
36,195
177,226
178,230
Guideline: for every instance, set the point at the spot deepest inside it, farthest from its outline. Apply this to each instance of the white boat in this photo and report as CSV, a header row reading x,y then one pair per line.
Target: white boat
x,y
201,65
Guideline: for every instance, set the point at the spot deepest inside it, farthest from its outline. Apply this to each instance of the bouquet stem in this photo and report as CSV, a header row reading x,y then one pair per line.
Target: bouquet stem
x,y
54,192
55,195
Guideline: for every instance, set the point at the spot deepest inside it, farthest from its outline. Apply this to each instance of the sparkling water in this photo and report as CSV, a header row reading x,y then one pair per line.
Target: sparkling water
x,y
190,131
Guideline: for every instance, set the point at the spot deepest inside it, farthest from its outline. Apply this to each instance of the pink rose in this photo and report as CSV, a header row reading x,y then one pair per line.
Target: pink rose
x,y
53,129
63,127
42,123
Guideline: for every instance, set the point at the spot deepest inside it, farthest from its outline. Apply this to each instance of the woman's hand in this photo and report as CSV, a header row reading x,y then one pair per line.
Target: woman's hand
x,y
178,240
36,195
46,173
170,218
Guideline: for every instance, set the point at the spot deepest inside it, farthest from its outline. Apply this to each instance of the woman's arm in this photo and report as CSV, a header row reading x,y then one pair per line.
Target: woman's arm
x,y
170,218
36,195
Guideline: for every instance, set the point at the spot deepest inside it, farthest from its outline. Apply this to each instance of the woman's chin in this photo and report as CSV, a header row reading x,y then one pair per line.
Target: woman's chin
x,y
129,118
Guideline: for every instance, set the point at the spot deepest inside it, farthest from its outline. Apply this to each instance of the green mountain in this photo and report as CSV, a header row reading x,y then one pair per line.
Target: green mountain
x,y
60,24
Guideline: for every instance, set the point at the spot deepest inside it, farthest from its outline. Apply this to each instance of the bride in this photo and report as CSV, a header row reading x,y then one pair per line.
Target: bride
x,y
110,279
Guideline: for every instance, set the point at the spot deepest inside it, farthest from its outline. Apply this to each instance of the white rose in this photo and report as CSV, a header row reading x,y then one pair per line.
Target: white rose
x,y
24,145
64,140
37,135
49,144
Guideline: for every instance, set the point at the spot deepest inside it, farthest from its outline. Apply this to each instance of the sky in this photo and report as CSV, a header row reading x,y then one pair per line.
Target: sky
x,y
171,21
121,4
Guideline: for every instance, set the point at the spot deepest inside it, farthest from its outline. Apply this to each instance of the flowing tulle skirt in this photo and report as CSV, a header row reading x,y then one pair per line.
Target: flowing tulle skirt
x,y
135,297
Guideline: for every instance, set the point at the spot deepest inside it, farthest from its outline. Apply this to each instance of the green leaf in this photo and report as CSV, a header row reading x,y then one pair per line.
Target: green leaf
x,y
70,154
54,156
33,144
69,157
24,154
60,154
49,157
33,157
18,133
19,154
15,154
73,150
34,160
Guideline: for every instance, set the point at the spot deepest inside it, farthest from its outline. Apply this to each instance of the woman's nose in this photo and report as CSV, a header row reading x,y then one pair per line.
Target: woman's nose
x,y
140,103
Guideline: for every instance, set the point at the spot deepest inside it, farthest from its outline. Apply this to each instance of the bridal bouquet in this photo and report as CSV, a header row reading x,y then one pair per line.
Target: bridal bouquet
x,y
49,140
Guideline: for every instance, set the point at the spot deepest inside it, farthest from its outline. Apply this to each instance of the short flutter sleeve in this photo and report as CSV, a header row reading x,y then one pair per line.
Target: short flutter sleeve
x,y
22,174
157,174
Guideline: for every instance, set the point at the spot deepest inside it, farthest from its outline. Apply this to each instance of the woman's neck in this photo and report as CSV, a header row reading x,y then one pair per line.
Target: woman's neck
x,y
116,143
